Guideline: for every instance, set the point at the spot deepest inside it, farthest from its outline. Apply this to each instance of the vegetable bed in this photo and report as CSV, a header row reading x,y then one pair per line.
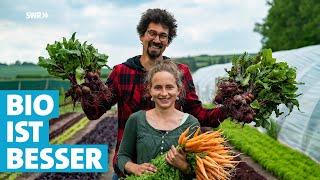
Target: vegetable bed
x,y
104,133
278,159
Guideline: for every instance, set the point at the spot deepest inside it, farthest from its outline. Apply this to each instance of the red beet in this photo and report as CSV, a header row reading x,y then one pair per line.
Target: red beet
x,y
218,99
238,98
248,118
90,75
86,90
78,91
251,96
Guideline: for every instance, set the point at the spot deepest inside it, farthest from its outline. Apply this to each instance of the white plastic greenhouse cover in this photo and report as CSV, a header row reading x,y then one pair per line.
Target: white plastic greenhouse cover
x,y
299,130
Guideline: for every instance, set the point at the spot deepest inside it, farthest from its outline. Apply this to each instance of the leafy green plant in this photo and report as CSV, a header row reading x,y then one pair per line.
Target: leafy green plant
x,y
69,59
256,86
274,129
164,171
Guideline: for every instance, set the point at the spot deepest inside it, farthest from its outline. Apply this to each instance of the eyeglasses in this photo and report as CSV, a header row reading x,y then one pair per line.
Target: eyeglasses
x,y
153,34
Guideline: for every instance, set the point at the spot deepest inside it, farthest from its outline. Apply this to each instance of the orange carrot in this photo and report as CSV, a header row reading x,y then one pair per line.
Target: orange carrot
x,y
197,132
217,173
202,149
214,154
203,142
183,136
198,137
211,176
212,136
208,158
218,160
228,165
221,152
193,144
209,164
200,175
218,148
201,166
211,143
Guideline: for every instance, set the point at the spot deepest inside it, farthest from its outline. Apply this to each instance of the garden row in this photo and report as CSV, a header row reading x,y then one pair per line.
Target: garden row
x,y
278,159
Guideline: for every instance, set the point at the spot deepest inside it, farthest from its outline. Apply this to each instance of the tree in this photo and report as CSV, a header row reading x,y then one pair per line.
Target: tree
x,y
3,64
290,24
221,60
17,63
28,64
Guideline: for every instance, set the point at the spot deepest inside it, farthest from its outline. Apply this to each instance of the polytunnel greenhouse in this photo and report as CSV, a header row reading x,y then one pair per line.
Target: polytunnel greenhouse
x,y
301,129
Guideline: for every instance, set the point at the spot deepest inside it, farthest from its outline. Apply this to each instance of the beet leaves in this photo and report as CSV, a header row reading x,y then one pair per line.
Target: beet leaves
x,y
69,59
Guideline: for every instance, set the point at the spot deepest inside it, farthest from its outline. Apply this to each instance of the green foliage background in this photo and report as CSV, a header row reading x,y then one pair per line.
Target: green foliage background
x,y
290,24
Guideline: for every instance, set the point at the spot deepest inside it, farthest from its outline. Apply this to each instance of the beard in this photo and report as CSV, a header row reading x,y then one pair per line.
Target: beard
x,y
154,54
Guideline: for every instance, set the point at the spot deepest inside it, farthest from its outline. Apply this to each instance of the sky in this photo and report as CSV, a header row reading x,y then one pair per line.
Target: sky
x,y
212,27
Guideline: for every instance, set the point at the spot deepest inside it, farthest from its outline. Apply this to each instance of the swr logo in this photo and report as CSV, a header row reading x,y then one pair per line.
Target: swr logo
x,y
37,15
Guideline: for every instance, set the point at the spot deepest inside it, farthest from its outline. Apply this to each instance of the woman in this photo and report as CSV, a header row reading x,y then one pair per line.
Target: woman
x,y
156,131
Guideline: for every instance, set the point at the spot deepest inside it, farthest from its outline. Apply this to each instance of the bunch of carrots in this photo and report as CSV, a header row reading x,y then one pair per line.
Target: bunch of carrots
x,y
206,153
213,159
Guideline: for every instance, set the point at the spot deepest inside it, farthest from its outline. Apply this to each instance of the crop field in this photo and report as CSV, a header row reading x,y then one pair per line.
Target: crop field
x,y
262,157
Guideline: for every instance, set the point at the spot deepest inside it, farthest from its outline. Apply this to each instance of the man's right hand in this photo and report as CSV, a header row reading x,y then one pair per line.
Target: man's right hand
x,y
93,83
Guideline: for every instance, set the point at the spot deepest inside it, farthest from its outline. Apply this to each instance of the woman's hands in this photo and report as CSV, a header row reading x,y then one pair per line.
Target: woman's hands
x,y
177,158
139,169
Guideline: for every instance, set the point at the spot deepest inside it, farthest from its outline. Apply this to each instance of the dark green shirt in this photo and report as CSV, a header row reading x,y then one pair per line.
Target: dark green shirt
x,y
141,142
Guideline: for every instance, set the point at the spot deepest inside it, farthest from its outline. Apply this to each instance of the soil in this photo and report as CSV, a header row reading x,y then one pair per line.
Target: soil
x,y
245,172
55,120
64,122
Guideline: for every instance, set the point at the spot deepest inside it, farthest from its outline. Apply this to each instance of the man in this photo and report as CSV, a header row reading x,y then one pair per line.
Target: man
x,y
156,29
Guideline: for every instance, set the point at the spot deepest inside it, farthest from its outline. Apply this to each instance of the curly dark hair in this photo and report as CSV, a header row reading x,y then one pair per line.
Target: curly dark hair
x,y
158,16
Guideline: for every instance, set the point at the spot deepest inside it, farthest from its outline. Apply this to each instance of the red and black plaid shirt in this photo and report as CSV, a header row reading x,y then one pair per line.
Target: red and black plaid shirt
x,y
126,82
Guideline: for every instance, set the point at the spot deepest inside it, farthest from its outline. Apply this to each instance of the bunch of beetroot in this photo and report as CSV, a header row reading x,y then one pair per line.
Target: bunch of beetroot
x,y
92,84
80,63
236,101
256,86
